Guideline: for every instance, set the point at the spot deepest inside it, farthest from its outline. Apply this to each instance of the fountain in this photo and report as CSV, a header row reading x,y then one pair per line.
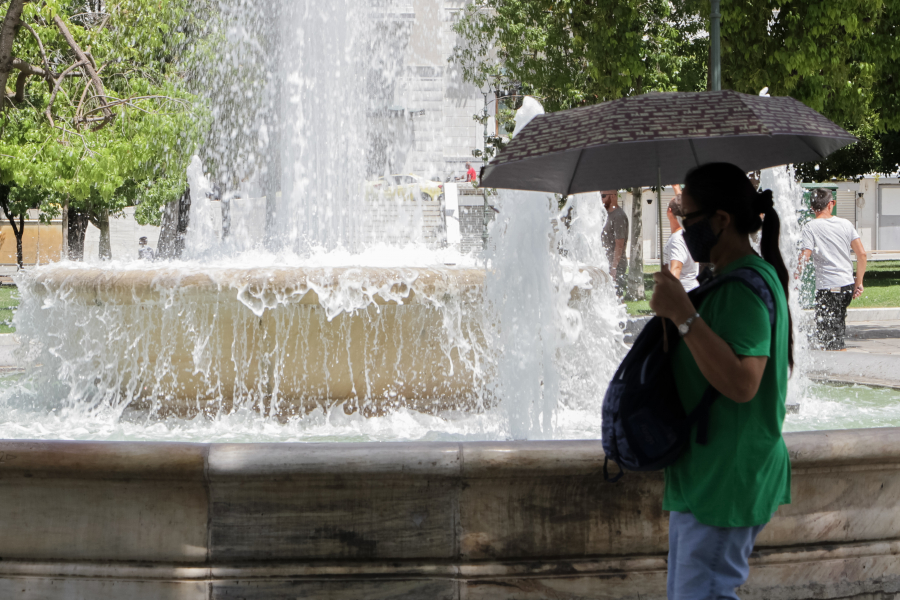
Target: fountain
x,y
214,398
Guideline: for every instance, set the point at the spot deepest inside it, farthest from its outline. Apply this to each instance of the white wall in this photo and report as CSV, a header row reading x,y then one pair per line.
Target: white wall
x,y
866,208
124,233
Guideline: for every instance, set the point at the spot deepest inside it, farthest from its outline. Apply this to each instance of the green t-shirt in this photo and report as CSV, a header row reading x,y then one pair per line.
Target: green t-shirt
x,y
743,473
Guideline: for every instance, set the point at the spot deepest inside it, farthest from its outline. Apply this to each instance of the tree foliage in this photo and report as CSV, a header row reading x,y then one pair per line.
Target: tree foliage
x,y
572,53
839,57
98,117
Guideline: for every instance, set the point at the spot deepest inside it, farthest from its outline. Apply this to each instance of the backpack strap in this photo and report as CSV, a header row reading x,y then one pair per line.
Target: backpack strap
x,y
748,277
606,476
756,283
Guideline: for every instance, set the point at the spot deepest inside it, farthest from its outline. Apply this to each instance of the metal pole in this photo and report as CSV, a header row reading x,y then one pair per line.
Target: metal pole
x,y
715,55
487,208
660,211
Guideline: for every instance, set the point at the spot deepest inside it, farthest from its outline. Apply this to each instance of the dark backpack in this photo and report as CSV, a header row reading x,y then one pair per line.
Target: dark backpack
x,y
644,425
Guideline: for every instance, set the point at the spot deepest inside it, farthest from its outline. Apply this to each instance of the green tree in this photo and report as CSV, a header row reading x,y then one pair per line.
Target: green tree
x,y
98,112
839,57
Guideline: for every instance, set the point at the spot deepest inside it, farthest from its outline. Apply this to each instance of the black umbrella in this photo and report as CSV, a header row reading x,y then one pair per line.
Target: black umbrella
x,y
657,138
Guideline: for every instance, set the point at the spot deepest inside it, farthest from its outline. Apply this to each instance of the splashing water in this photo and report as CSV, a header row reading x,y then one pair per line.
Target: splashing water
x,y
325,270
788,197
234,348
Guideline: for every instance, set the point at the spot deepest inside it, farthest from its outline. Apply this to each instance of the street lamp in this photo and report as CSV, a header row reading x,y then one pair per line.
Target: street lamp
x,y
714,34
498,94
484,216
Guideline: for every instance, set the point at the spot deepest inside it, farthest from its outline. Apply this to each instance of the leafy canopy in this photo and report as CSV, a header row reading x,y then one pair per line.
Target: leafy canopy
x,y
59,137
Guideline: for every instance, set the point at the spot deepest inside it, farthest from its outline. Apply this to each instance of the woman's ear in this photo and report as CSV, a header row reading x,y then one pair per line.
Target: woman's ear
x,y
720,220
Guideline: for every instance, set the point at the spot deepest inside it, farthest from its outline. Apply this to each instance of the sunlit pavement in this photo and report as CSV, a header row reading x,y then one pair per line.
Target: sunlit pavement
x,y
872,356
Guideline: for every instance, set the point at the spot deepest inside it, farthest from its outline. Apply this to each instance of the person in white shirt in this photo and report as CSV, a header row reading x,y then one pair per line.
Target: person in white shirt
x,y
675,254
827,240
144,252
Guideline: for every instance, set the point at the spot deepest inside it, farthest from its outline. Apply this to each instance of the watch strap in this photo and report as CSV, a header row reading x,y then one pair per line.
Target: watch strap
x,y
685,327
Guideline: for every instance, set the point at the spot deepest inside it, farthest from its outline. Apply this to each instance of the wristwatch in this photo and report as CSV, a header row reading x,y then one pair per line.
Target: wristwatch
x,y
685,327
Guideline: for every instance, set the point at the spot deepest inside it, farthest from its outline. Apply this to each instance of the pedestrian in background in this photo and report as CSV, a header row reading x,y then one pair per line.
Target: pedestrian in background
x,y
675,254
144,251
471,175
614,237
827,240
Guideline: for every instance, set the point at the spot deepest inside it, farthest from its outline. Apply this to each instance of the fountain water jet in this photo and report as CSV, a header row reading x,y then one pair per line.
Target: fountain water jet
x,y
280,326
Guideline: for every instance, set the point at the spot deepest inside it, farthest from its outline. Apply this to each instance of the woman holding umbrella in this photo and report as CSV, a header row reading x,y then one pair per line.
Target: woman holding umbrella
x,y
723,493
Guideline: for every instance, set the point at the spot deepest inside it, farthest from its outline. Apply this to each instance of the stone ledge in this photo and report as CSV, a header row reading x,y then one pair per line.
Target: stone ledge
x,y
466,520
146,461
234,462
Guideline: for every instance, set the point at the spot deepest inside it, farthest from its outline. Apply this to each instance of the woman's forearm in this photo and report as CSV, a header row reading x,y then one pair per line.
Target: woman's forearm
x,y
736,377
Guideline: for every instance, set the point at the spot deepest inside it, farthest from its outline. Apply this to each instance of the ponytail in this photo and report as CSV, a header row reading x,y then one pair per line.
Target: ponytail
x,y
768,245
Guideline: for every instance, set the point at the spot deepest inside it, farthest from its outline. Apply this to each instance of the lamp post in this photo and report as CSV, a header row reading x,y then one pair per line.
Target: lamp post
x,y
487,208
715,56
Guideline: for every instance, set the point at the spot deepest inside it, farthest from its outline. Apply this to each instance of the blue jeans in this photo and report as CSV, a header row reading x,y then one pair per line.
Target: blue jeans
x,y
706,562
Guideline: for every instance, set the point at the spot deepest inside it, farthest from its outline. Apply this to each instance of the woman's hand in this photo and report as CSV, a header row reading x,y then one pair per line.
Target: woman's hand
x,y
669,299
736,377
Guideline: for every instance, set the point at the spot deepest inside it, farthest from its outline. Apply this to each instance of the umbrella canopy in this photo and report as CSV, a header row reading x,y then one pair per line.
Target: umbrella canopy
x,y
658,138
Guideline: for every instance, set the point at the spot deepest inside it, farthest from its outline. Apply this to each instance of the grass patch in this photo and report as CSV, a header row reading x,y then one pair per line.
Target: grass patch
x,y
881,283
9,301
641,308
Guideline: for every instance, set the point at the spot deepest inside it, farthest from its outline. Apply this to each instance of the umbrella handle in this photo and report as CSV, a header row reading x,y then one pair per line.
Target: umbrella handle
x,y
665,335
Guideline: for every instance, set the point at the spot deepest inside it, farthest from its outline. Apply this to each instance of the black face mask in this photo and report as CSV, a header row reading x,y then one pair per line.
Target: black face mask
x,y
700,240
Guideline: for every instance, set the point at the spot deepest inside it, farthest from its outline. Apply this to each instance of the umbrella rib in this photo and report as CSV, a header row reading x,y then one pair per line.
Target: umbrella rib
x,y
802,139
694,152
575,170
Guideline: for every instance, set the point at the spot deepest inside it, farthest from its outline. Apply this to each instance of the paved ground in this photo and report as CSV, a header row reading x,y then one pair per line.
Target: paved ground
x,y
872,356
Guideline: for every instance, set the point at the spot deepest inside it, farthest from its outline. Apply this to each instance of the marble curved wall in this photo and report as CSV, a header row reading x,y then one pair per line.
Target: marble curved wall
x,y
524,520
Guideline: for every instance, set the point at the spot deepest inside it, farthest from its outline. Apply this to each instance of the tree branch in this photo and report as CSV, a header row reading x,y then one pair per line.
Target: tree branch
x,y
28,69
129,101
21,80
83,58
55,91
87,148
8,31
4,203
41,48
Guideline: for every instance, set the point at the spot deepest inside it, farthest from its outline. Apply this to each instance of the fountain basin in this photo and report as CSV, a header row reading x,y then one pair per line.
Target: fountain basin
x,y
493,520
281,340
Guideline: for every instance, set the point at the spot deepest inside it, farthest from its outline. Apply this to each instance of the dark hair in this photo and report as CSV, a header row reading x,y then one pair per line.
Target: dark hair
x,y
819,199
723,186
675,206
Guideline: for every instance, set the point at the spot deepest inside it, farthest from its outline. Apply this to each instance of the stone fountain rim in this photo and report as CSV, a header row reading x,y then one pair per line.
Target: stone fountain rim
x,y
211,461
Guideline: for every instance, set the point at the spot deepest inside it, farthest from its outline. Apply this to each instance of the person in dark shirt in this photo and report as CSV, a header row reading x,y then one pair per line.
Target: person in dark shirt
x,y
615,234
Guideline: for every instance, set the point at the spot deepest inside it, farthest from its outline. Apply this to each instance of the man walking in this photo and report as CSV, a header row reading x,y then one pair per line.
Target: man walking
x,y
615,234
828,240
